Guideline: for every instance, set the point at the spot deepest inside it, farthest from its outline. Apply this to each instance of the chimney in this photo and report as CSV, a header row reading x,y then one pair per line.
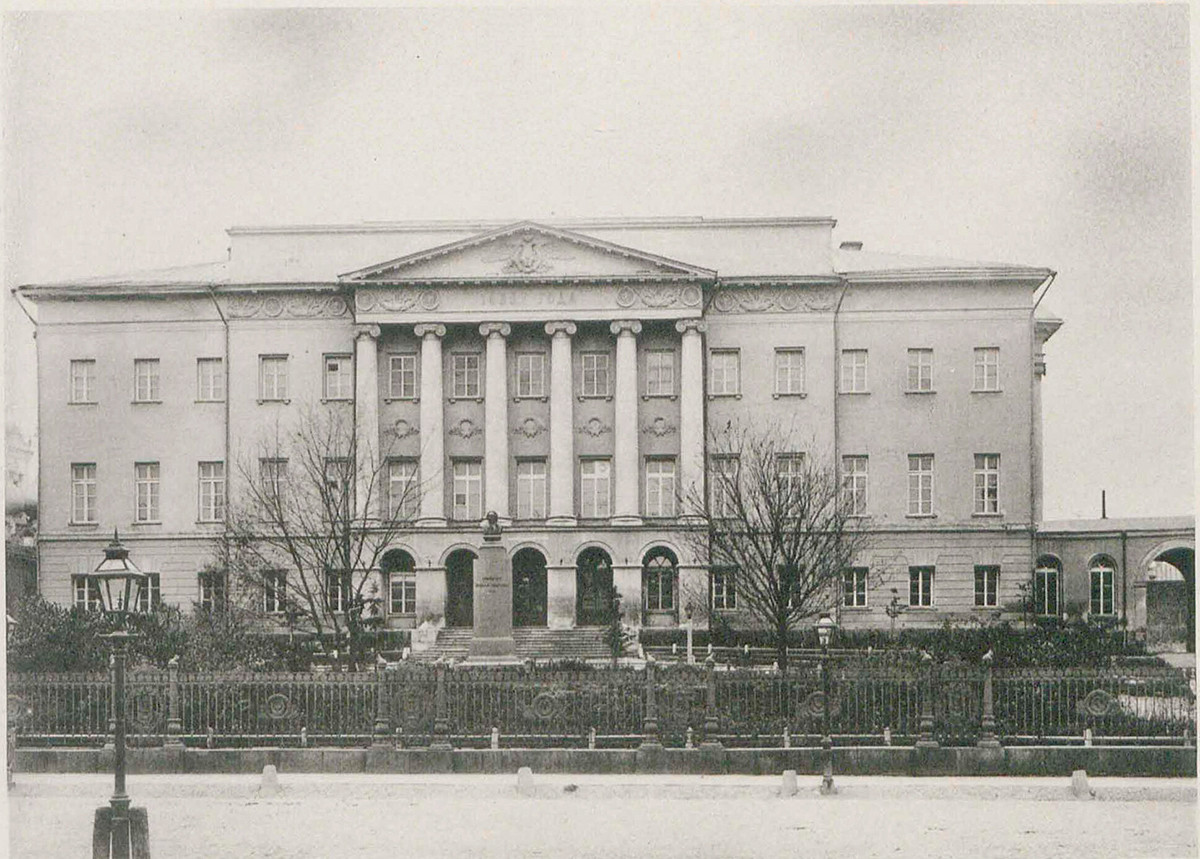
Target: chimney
x,y
850,246
1103,505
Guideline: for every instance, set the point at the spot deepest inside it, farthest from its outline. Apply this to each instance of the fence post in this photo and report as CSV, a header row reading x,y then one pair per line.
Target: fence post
x,y
383,725
927,740
711,723
110,741
174,739
650,722
441,725
987,736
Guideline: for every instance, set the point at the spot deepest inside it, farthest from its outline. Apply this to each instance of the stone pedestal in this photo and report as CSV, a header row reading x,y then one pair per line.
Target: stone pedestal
x,y
493,638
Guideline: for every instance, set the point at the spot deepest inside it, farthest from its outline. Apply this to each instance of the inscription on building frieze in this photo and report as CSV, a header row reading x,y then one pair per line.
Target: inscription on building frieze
x,y
286,306
777,299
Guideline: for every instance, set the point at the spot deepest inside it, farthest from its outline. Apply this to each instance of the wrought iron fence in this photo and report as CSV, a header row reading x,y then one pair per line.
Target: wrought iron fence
x,y
421,704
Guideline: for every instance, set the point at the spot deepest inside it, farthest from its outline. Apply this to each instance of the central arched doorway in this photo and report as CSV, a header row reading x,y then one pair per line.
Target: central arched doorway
x,y
593,587
1171,602
529,588
460,588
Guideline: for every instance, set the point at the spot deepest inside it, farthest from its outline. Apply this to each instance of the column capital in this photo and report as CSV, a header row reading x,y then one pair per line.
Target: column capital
x,y
683,326
426,329
621,326
487,329
555,328
371,331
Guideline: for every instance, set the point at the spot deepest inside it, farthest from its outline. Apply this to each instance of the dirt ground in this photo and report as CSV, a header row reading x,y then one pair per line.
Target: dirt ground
x,y
600,816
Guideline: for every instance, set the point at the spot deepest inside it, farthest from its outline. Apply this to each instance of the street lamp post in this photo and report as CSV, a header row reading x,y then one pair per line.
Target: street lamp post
x,y
120,583
825,627
687,611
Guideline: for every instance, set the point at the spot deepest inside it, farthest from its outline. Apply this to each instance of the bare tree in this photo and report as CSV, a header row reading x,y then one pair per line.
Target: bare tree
x,y
777,523
315,512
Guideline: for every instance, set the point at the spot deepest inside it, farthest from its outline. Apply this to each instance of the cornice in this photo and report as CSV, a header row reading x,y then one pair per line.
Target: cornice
x,y
1012,274
644,223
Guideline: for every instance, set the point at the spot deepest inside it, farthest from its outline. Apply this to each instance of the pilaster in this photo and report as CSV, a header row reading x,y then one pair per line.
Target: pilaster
x,y
495,419
366,415
625,431
433,440
691,412
562,426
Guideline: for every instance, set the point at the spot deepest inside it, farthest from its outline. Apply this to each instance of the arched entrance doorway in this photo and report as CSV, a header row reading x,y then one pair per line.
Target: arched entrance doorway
x,y
460,588
1171,602
529,588
593,587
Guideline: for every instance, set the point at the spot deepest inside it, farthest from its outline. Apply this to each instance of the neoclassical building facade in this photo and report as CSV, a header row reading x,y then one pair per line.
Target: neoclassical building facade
x,y
564,375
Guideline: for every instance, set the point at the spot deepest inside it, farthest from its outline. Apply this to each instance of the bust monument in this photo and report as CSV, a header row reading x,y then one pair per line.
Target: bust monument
x,y
491,529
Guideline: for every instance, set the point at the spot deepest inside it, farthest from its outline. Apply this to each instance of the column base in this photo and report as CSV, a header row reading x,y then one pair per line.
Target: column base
x,y
562,521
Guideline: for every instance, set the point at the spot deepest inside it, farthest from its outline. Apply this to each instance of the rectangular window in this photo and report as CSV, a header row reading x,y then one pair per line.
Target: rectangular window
x,y
789,371
854,484
273,378
790,471
724,485
920,587
210,380
1102,588
595,374
83,381
468,489
987,369
275,591
658,576
1045,591
854,371
337,591
403,495
531,374
854,587
920,370
920,484
660,373
595,482
402,377
987,483
466,376
724,590
86,591
338,500
150,597
145,482
83,492
531,489
145,380
402,593
987,584
212,591
724,372
272,474
660,487
212,491
339,377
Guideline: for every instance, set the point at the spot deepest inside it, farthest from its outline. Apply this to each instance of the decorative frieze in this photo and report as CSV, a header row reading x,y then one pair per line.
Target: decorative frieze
x,y
773,299
287,306
659,296
397,299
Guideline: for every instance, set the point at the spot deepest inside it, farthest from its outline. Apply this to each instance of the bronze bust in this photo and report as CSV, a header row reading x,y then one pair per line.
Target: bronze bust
x,y
491,530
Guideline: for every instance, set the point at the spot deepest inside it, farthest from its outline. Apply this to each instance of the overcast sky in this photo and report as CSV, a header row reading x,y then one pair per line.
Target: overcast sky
x,y
1050,136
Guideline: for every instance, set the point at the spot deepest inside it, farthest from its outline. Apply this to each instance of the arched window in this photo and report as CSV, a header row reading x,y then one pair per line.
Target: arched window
x,y
1103,574
658,580
1045,586
399,571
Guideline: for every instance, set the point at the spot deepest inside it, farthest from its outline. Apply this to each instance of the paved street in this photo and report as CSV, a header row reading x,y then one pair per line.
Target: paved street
x,y
627,816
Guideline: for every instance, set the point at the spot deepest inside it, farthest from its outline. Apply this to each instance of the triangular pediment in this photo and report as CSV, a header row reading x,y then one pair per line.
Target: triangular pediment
x,y
528,251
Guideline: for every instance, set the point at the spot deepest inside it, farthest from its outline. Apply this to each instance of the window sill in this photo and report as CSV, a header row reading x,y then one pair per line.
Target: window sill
x,y
606,397
402,399
402,614
724,396
83,524
464,399
986,391
146,402
856,608
921,607
671,397
83,402
921,516
209,401
285,402
920,393
779,395
336,400
988,515
210,522
855,393
137,524
541,398
985,608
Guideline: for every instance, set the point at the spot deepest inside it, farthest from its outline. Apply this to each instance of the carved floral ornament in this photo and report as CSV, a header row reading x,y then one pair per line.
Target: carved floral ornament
x,y
772,299
594,427
659,427
659,296
465,428
403,429
396,299
531,427
287,306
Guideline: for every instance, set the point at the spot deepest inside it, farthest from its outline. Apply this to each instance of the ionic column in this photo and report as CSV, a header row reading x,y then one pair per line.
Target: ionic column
x,y
562,429
433,451
495,418
625,431
691,412
366,416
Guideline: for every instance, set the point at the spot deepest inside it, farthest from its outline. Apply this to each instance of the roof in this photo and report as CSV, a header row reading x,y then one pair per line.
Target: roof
x,y
1109,526
872,263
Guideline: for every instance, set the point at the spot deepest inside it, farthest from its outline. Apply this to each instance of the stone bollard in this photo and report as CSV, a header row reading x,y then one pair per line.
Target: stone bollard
x,y
789,787
138,835
674,648
495,738
887,736
525,781
399,738
1087,737
270,781
688,744
787,737
304,738
1079,785
592,738
210,740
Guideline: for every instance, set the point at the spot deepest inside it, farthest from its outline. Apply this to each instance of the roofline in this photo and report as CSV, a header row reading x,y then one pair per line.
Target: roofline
x,y
646,223
1015,274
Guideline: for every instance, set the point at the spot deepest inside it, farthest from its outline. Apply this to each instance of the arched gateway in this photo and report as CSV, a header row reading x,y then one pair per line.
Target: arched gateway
x,y
529,588
593,587
460,588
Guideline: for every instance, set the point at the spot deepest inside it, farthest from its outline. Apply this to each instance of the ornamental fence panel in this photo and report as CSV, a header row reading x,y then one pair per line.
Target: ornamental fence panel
x,y
869,700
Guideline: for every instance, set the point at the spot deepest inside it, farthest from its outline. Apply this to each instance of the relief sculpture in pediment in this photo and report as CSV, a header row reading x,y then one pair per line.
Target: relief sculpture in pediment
x,y
530,254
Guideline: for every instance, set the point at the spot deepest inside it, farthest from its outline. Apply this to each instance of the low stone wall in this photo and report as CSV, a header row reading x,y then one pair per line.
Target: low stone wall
x,y
1145,761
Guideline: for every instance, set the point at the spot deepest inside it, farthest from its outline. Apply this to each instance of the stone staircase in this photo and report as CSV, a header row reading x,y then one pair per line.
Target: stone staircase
x,y
585,642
